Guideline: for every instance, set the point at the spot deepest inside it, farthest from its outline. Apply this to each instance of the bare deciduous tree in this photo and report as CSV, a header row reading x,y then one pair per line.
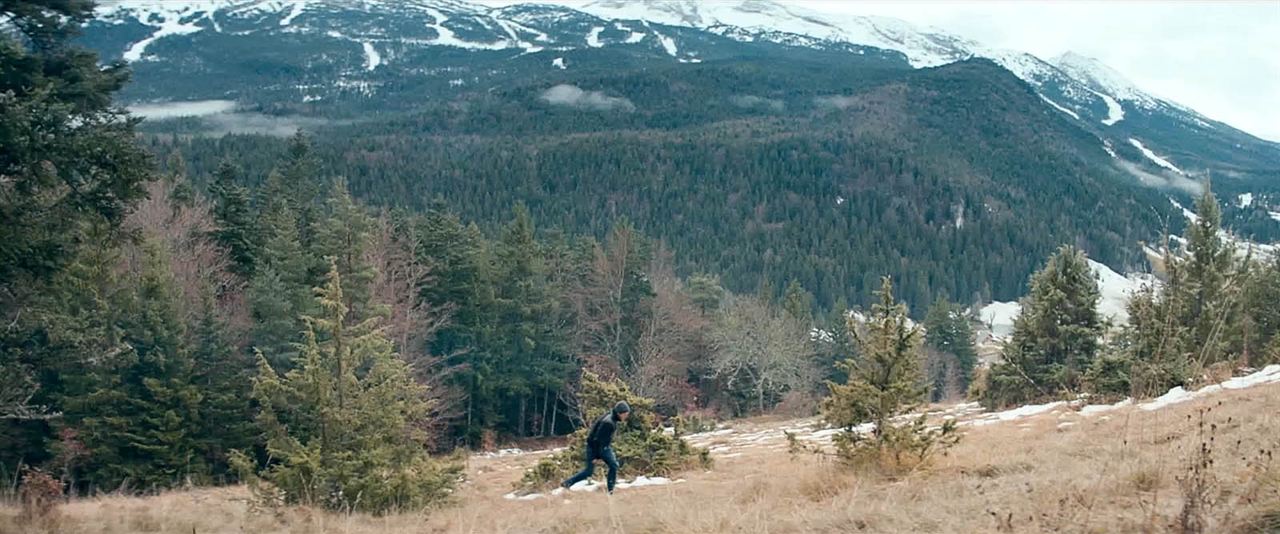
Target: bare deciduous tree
x,y
201,268
759,349
410,321
671,337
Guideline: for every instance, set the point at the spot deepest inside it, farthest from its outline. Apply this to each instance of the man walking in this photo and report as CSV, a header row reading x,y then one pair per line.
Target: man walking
x,y
599,446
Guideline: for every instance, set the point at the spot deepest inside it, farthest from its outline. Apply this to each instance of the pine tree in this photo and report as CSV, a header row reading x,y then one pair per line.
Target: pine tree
x,y
279,291
948,332
73,330
233,213
299,184
341,426
55,103
1201,316
1263,314
71,172
222,374
884,383
706,292
1056,336
835,344
344,235
458,258
530,356
1208,284
798,302
139,414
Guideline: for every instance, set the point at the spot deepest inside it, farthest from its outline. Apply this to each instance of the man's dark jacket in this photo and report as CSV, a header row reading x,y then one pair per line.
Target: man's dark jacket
x,y
601,434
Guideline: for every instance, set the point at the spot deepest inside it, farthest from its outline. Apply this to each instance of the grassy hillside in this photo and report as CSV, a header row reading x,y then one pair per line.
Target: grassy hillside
x,y
1126,470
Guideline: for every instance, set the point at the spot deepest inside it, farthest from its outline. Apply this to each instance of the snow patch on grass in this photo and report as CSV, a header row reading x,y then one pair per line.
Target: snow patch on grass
x,y
587,486
1017,413
1094,409
999,316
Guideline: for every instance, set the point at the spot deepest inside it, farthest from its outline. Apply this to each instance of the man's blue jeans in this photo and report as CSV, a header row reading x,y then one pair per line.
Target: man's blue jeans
x,y
605,454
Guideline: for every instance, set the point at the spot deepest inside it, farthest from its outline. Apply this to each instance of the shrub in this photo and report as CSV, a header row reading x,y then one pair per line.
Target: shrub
x,y
1109,378
40,494
641,446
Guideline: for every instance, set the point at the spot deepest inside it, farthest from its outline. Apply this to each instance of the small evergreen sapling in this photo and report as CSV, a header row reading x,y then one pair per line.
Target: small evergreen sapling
x,y
884,384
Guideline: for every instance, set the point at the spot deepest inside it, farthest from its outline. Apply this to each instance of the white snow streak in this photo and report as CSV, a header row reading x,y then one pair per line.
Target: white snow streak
x,y
1154,158
1115,112
371,56
668,44
1059,107
510,28
1094,409
294,10
446,37
168,27
1106,145
1190,215
593,37
1016,413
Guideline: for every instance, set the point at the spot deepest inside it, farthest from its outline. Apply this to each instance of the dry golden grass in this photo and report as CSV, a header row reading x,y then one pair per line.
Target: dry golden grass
x,y
1118,473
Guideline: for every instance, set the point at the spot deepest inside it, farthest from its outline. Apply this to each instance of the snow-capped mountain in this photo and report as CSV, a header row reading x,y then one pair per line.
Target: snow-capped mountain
x,y
1083,88
300,55
923,48
359,46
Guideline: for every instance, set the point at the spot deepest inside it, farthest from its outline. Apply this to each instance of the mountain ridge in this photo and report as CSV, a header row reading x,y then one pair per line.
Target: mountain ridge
x,y
805,146
1097,96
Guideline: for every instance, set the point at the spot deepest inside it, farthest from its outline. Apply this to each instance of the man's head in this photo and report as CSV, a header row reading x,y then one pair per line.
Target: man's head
x,y
621,411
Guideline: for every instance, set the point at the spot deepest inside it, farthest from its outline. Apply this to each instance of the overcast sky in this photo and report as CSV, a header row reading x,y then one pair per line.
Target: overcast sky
x,y
1221,58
